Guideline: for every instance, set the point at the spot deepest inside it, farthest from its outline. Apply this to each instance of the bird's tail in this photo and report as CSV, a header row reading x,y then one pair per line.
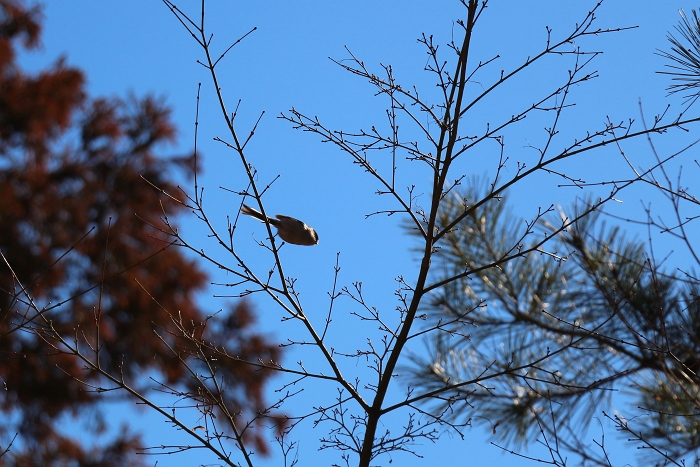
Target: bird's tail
x,y
248,211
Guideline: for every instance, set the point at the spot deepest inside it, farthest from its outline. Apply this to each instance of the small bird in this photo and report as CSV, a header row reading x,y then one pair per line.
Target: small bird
x,y
289,229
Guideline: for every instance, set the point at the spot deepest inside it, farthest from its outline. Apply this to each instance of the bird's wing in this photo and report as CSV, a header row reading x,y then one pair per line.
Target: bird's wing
x,y
282,217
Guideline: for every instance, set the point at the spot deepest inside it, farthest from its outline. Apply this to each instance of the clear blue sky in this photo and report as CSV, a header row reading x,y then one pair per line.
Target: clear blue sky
x,y
138,46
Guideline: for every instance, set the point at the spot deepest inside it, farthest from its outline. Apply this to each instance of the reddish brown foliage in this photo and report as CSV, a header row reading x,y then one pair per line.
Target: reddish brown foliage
x,y
74,227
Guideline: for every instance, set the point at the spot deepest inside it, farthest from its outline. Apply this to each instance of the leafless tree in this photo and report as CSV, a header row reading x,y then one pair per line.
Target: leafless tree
x,y
440,143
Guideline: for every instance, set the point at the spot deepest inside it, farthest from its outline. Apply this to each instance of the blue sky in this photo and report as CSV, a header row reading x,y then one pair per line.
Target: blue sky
x,y
138,46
